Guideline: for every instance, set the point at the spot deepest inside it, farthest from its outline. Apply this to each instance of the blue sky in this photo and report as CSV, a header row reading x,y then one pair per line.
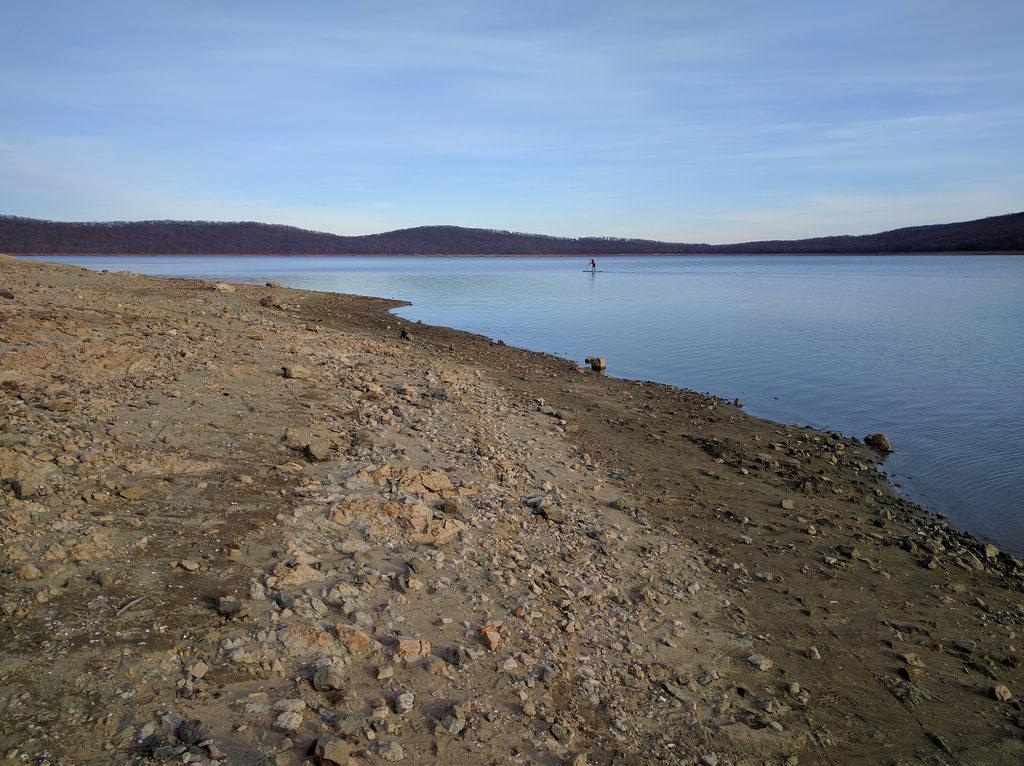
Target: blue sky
x,y
712,121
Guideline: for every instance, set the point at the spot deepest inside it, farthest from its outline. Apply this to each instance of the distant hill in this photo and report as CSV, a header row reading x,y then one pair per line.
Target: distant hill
x,y
30,235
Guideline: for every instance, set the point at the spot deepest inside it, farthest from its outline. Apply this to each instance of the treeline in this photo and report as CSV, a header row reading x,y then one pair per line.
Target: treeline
x,y
30,235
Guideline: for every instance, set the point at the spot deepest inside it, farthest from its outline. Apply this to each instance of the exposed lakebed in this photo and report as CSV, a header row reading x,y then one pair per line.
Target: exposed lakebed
x,y
925,348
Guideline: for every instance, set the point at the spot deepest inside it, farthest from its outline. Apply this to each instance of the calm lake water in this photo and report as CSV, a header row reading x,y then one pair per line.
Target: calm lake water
x,y
929,349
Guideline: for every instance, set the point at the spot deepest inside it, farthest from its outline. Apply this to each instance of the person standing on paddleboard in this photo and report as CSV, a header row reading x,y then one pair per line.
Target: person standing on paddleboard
x,y
593,265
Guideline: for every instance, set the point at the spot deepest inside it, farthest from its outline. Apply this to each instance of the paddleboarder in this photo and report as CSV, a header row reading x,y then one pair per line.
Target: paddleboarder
x,y
593,265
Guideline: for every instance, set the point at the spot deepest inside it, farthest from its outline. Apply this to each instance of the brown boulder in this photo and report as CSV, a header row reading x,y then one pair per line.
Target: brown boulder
x,y
878,442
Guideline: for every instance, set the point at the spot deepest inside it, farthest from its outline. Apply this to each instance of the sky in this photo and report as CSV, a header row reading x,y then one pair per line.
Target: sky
x,y
707,121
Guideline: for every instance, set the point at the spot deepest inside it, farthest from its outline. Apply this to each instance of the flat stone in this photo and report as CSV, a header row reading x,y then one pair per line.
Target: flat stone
x,y
424,482
318,451
58,405
288,721
414,647
391,751
133,492
676,691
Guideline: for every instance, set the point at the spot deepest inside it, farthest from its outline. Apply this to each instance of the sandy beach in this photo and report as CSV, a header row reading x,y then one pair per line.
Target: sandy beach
x,y
256,525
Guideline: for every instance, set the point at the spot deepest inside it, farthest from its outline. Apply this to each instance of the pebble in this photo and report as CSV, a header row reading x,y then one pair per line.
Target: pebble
x,y
492,638
404,702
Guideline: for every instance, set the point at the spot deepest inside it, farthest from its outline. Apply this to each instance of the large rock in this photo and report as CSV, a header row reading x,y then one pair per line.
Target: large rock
x,y
424,482
301,640
352,638
878,442
318,451
28,571
331,751
26,477
328,677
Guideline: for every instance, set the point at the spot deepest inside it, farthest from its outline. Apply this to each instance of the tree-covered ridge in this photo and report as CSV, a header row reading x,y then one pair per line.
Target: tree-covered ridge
x,y
30,235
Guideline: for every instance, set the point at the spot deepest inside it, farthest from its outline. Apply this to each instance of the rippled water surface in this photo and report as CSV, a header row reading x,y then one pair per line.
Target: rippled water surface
x,y
929,349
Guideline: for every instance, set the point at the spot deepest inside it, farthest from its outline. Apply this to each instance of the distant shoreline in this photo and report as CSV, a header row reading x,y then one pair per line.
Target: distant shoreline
x,y
1002,234
512,255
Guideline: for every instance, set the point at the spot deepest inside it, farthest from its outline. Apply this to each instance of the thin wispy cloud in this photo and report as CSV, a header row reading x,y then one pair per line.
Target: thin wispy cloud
x,y
674,120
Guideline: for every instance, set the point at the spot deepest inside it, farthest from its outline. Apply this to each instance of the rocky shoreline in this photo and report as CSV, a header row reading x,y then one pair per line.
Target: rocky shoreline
x,y
255,525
